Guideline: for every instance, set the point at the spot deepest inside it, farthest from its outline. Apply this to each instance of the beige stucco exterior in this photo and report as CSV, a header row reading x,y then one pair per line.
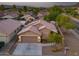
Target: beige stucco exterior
x,y
2,34
45,32
6,38
29,34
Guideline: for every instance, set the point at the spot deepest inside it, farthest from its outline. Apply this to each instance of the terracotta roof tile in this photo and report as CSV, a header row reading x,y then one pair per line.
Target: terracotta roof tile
x,y
8,26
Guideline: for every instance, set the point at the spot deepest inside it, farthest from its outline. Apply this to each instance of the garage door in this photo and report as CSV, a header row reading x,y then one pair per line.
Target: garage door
x,y
29,39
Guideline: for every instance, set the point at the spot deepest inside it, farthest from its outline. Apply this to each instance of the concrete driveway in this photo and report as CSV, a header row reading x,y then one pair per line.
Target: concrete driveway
x,y
28,49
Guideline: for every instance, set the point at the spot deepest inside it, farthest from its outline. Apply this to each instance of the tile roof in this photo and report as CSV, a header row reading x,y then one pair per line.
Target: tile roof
x,y
8,16
8,26
27,16
30,28
53,22
22,22
48,25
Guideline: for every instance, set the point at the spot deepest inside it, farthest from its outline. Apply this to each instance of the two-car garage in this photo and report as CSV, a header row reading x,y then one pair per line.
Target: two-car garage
x,y
29,39
29,35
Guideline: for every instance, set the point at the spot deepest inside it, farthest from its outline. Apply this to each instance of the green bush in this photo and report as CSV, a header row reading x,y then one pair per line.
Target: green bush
x,y
55,37
53,13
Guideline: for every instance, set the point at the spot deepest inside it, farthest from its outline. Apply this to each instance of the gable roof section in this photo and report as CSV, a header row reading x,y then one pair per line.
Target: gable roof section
x,y
26,16
30,28
8,16
45,24
8,26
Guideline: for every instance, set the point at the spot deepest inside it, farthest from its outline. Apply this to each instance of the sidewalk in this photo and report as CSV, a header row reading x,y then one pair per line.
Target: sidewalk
x,y
75,34
72,42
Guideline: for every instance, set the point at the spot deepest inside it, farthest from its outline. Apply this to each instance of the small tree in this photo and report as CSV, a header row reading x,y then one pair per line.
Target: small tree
x,y
2,8
46,18
36,10
71,11
20,11
53,13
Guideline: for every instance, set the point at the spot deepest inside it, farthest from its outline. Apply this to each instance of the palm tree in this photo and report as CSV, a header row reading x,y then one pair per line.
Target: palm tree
x,y
65,22
25,8
14,8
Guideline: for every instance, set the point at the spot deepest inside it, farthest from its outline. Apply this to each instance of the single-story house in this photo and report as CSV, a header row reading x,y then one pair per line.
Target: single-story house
x,y
28,18
29,35
53,22
9,17
22,22
1,14
39,15
42,13
8,29
35,31
9,12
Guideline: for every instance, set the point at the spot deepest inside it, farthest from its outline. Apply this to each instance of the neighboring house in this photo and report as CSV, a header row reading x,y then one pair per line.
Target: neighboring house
x,y
1,14
22,22
39,15
9,11
8,29
28,12
14,15
8,17
35,28
42,14
53,22
28,18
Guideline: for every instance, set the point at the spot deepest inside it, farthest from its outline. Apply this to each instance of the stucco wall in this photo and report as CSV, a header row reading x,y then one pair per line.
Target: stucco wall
x,y
45,32
2,34
3,38
28,33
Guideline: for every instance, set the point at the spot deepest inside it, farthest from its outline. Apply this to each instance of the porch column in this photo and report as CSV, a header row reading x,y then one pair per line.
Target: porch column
x,y
19,39
39,39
